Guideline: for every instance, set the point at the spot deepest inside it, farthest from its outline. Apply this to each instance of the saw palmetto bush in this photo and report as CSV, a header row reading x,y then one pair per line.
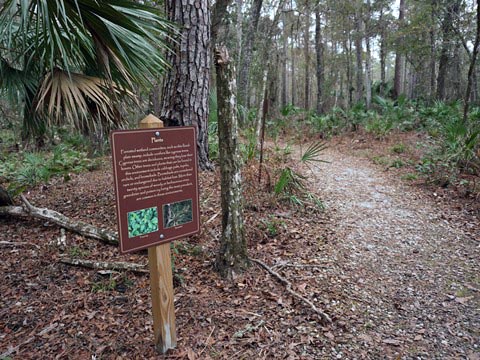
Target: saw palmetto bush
x,y
454,144
292,185
71,61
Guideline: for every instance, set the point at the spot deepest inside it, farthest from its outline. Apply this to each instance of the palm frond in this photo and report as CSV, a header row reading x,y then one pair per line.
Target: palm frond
x,y
313,152
130,37
75,98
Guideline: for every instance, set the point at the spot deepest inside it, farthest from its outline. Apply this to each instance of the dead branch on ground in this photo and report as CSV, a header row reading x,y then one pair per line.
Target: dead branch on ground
x,y
103,265
288,286
77,226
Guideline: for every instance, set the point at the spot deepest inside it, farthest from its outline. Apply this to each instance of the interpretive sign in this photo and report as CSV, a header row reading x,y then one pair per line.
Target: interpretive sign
x,y
156,184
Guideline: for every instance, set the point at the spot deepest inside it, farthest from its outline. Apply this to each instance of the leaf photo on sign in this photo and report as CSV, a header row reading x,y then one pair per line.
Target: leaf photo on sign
x,y
178,213
142,222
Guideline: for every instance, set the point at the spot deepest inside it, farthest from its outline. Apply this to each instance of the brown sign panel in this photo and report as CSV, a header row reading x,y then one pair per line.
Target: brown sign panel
x,y
156,184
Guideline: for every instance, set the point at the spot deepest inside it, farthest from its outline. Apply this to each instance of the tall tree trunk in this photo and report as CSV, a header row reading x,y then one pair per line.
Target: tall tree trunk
x,y
433,49
239,32
232,257
474,96
443,63
284,98
186,89
247,53
319,49
368,58
292,50
368,73
471,69
358,52
306,44
383,54
219,12
399,57
348,49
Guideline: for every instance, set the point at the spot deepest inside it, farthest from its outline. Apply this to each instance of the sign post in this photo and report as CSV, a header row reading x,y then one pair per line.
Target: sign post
x,y
161,280
156,186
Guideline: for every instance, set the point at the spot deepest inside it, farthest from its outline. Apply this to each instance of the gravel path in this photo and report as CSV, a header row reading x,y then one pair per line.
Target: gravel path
x,y
409,278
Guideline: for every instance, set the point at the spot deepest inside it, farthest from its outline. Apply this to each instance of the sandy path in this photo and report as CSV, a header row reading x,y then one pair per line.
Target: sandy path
x,y
410,279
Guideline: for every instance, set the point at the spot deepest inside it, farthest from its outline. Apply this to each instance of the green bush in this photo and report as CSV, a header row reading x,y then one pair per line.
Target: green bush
x,y
248,148
25,170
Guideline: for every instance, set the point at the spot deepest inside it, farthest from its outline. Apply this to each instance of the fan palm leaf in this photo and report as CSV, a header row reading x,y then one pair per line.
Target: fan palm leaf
x,y
79,55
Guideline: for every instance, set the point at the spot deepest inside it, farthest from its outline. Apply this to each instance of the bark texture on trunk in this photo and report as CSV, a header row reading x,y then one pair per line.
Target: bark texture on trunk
x,y
306,44
433,49
471,68
399,57
284,99
358,53
232,257
368,57
247,53
368,74
219,12
443,63
186,89
383,53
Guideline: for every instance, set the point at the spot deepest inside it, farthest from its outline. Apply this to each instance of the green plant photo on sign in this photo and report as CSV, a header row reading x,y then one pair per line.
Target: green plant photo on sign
x,y
177,214
142,222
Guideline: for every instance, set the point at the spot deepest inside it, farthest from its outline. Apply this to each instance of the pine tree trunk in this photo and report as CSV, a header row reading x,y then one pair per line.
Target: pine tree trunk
x,y
383,55
247,54
219,12
358,53
186,89
284,98
319,49
368,74
348,49
306,44
444,60
292,51
433,50
232,257
471,69
399,57
239,5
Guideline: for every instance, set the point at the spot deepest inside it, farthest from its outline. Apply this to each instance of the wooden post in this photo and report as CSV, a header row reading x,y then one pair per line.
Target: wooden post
x,y
161,280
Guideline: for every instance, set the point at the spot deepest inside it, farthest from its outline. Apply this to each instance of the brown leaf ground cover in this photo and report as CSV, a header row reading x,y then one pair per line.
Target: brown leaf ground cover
x,y
396,267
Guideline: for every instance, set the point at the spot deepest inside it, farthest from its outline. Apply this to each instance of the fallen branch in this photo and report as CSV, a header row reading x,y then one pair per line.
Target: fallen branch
x,y
288,286
59,219
282,265
15,244
102,265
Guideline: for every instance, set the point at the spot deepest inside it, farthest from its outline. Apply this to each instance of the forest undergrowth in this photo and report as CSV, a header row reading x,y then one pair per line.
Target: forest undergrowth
x,y
300,219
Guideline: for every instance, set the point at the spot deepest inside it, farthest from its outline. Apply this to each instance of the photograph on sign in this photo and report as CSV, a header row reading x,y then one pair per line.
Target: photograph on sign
x,y
177,214
142,222
156,185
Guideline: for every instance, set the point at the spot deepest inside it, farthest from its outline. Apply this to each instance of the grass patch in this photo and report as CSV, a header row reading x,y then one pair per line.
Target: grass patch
x,y
409,177
399,148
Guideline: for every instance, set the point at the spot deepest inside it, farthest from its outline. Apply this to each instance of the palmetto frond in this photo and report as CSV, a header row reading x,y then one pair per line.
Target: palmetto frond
x,y
78,55
122,38
74,97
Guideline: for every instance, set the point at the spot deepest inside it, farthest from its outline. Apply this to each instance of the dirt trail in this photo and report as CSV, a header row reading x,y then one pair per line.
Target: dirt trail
x,y
410,279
